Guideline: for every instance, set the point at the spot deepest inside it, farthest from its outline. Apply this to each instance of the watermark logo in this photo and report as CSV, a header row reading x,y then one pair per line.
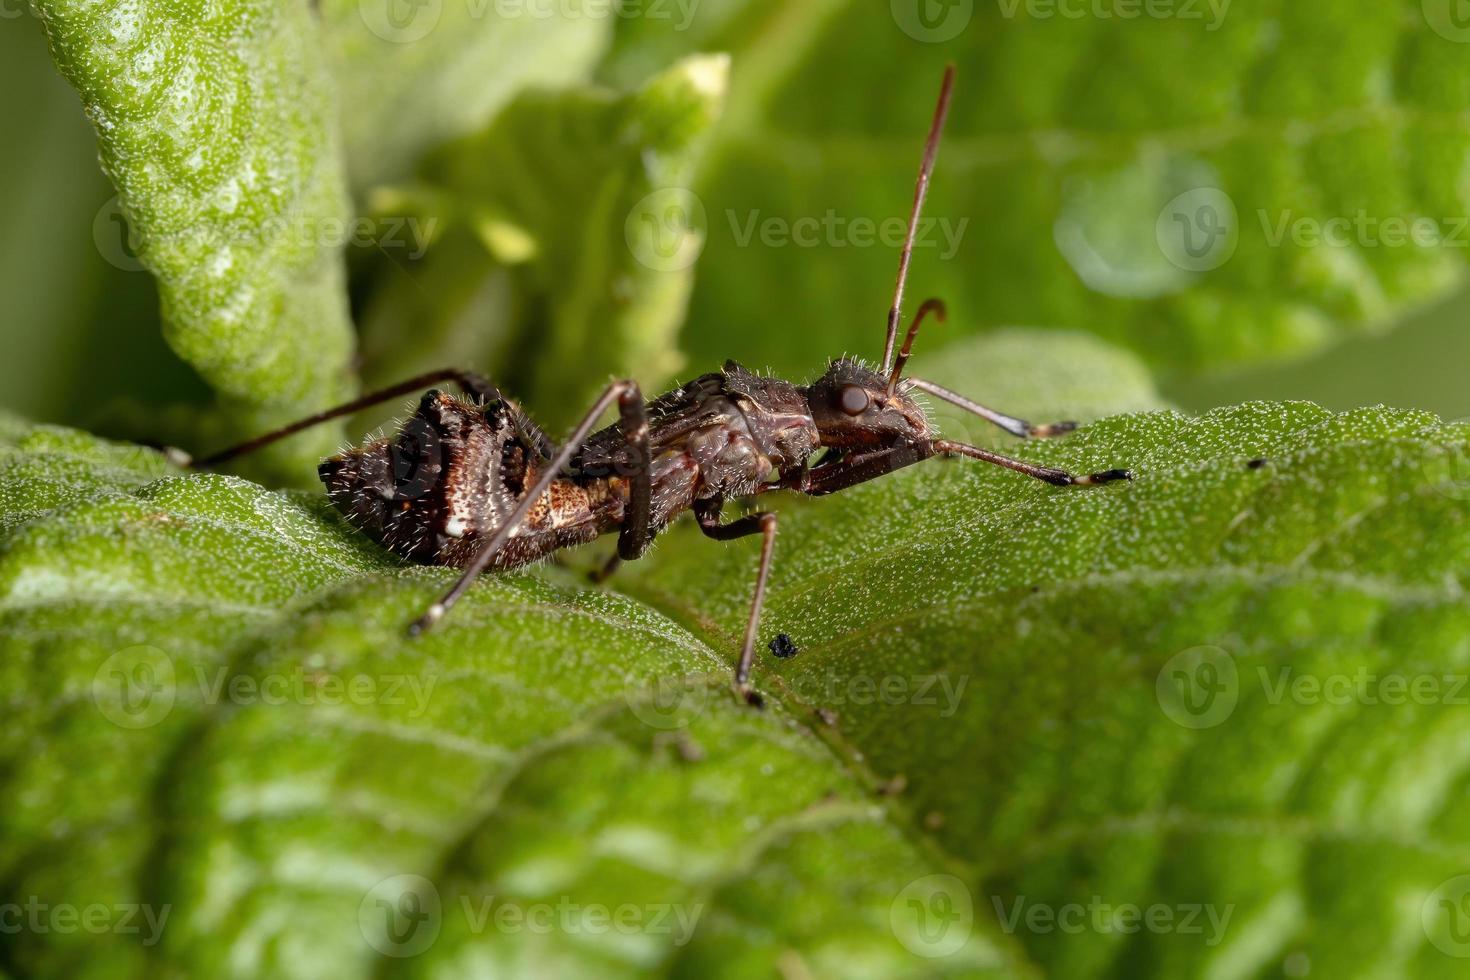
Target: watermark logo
x,y
400,21
1450,19
932,21
1450,474
115,239
1199,230
667,701
1198,688
135,687
121,246
933,916
1446,917
666,229
401,916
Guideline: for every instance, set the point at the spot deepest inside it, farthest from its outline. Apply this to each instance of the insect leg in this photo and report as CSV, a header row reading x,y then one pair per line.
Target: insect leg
x,y
472,383
620,391
635,534
853,470
763,523
1011,424
608,569
1048,474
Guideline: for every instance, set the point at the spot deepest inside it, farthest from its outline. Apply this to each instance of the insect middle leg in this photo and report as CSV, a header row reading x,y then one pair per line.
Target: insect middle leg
x,y
630,401
636,533
762,523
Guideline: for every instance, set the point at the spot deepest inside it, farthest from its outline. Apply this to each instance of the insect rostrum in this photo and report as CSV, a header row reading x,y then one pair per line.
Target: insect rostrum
x,y
471,482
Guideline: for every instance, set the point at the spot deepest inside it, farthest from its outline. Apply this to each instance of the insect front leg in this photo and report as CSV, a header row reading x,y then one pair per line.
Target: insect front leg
x,y
626,393
475,385
850,471
707,512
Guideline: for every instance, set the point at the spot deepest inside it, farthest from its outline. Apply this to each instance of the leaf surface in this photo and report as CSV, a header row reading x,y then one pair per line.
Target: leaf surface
x,y
1019,667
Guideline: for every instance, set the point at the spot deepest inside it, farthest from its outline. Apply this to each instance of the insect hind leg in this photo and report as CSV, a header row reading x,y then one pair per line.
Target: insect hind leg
x,y
625,392
475,385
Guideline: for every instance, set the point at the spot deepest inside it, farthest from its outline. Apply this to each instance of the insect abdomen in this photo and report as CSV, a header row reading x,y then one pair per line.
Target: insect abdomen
x,y
446,480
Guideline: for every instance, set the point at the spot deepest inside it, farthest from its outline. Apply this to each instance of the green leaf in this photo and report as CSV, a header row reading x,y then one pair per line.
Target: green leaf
x,y
192,629
1081,152
217,128
1007,649
415,75
581,195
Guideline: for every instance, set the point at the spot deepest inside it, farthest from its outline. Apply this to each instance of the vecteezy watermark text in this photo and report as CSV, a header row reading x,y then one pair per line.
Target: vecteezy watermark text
x,y
121,246
1201,687
833,230
1098,916
1211,12
96,918
406,21
138,686
402,916
1363,230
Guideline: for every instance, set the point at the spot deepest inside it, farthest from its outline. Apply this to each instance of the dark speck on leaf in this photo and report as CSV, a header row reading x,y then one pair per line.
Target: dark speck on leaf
x,y
782,646
1257,463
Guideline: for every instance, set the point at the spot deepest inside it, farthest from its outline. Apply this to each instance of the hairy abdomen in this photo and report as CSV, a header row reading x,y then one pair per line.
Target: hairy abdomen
x,y
450,477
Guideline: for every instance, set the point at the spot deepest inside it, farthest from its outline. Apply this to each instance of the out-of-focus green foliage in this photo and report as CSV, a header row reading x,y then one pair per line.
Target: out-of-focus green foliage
x,y
600,296
412,75
1156,179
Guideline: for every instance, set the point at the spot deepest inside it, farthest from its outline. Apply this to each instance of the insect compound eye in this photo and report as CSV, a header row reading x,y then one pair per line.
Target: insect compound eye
x,y
853,400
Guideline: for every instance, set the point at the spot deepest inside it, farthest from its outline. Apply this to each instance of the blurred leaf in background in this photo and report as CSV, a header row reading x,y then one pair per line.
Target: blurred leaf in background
x,y
1157,179
600,295
81,324
411,76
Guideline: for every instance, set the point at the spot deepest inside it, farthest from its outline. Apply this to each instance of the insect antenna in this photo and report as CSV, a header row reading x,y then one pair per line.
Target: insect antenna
x,y
921,190
935,306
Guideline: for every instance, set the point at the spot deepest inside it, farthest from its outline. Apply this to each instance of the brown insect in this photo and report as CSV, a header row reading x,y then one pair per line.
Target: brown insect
x,y
471,482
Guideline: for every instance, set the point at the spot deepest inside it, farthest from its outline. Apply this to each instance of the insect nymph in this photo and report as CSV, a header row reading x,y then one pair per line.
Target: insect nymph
x,y
471,482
